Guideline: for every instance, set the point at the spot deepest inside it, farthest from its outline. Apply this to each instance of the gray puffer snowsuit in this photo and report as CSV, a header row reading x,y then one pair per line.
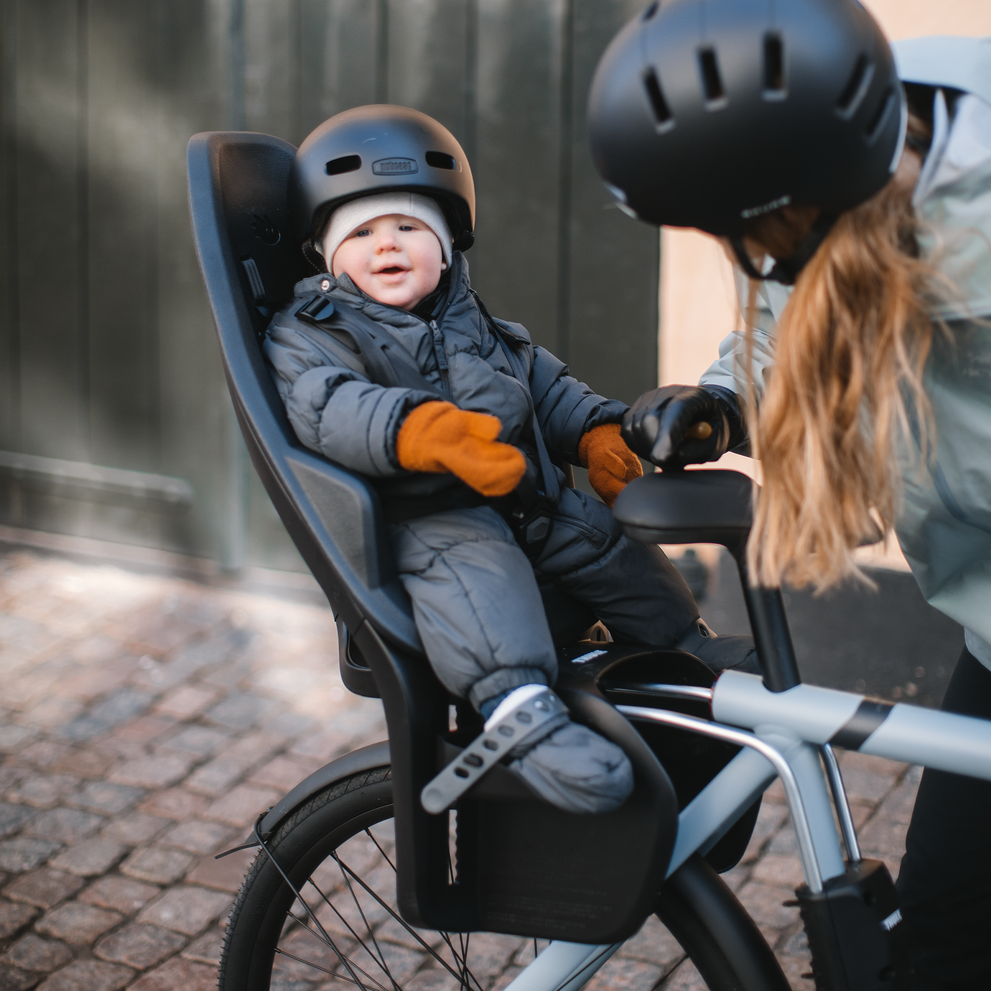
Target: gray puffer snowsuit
x,y
475,593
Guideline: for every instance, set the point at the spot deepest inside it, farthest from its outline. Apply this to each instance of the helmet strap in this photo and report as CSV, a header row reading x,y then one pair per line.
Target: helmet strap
x,y
314,257
786,270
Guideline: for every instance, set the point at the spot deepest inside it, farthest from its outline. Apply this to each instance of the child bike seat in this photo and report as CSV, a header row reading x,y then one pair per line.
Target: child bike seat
x,y
514,854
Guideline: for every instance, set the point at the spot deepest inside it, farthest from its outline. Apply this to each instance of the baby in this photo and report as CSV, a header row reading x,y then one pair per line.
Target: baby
x,y
390,365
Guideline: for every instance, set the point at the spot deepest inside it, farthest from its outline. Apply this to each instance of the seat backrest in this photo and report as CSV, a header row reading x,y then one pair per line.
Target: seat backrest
x,y
250,262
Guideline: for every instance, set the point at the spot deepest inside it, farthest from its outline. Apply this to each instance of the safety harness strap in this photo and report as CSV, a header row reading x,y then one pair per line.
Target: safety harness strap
x,y
786,270
533,718
387,361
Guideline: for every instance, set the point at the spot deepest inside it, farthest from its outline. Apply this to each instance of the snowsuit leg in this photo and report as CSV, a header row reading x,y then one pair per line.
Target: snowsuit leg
x,y
632,587
475,601
479,612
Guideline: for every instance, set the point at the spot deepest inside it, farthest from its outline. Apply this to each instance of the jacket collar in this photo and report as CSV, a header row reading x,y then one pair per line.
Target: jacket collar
x,y
343,288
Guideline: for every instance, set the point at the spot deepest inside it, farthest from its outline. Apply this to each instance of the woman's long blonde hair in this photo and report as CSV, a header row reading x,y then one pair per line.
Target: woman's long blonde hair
x,y
845,392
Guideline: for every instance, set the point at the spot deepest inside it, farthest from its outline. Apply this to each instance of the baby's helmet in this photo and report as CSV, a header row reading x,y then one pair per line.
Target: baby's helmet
x,y
376,149
706,113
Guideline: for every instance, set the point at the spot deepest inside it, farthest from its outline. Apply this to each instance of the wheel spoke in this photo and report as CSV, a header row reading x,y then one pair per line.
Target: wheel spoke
x,y
368,833
409,929
381,956
462,959
309,913
347,963
333,973
352,931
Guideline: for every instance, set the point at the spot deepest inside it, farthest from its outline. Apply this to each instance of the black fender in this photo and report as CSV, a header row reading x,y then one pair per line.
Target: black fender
x,y
369,758
723,941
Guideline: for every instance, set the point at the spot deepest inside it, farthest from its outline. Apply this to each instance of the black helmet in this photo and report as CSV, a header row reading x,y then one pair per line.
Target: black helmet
x,y
376,149
706,113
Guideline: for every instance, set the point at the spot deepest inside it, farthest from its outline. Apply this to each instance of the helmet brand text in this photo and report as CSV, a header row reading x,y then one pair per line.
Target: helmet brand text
x,y
394,166
756,211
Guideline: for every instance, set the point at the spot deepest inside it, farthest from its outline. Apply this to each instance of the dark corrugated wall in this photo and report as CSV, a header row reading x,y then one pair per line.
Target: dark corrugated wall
x,y
114,422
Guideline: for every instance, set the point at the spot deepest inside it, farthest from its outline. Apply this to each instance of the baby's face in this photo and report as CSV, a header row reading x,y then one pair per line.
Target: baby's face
x,y
394,259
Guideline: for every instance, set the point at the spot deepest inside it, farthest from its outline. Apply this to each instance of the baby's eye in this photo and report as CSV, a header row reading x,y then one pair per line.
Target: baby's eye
x,y
364,232
407,227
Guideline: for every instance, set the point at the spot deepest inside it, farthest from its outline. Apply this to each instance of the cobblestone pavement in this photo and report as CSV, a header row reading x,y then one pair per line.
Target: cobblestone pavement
x,y
144,723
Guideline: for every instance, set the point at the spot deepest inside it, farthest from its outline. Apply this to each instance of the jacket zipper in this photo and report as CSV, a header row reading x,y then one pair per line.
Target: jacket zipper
x,y
438,342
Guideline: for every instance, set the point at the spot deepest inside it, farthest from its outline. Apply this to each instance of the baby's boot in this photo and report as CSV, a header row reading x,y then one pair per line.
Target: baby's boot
x,y
566,764
720,653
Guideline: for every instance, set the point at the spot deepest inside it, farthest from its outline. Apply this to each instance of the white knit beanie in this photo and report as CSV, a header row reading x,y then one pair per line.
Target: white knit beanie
x,y
349,217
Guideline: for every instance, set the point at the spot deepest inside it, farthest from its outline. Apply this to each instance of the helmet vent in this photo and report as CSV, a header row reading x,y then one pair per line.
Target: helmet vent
x,y
712,82
856,87
662,112
881,114
441,160
774,67
650,11
349,163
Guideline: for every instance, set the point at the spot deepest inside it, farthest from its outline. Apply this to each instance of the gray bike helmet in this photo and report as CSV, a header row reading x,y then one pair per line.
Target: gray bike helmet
x,y
707,113
377,149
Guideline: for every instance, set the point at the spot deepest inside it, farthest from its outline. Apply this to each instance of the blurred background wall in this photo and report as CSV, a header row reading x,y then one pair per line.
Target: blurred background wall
x,y
116,434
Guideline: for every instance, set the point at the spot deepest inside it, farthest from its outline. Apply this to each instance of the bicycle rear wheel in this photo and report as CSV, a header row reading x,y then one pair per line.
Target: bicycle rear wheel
x,y
336,850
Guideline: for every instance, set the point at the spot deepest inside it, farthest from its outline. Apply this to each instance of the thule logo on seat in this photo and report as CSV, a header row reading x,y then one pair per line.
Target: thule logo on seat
x,y
892,920
392,166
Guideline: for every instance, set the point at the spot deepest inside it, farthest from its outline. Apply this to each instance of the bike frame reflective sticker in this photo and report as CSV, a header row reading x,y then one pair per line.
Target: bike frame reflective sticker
x,y
853,734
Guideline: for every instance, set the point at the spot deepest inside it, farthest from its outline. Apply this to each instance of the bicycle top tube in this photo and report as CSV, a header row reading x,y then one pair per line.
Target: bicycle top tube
x,y
942,740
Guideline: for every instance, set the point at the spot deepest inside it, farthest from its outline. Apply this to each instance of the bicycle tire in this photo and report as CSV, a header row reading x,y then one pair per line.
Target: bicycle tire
x,y
335,849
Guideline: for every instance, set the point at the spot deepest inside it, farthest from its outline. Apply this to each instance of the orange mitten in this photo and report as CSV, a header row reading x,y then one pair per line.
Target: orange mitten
x,y
610,463
438,437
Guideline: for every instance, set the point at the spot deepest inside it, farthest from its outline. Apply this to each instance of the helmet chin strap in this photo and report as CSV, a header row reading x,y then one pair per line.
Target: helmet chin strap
x,y
787,269
314,257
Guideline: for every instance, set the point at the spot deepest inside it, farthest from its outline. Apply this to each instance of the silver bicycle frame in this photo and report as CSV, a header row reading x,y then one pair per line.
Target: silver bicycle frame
x,y
788,733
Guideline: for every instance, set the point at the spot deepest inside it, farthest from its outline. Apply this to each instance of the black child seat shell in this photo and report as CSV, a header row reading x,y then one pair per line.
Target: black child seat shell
x,y
523,867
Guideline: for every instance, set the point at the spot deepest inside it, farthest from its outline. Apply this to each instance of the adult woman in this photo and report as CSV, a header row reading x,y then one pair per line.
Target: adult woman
x,y
782,129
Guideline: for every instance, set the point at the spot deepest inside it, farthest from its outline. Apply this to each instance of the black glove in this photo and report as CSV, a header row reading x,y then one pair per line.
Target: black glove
x,y
680,425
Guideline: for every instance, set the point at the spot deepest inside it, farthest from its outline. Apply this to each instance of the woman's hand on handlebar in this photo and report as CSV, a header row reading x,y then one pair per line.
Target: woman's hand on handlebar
x,y
678,425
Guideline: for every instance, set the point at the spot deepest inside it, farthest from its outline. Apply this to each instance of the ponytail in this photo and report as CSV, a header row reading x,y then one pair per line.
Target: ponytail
x,y
845,396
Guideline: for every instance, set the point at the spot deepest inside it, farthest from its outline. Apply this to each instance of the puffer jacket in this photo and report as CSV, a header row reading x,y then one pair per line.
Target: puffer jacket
x,y
944,525
339,411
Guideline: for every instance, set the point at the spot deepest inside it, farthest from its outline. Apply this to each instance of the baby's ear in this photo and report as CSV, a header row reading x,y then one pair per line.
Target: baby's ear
x,y
443,266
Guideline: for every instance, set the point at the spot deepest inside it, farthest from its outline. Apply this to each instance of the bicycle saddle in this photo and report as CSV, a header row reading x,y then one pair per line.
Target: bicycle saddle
x,y
713,507
681,507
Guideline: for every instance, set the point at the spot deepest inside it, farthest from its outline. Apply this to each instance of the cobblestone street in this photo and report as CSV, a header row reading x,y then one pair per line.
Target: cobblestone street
x,y
146,721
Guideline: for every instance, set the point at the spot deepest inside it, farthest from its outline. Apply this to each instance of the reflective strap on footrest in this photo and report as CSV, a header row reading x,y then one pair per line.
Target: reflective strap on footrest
x,y
524,722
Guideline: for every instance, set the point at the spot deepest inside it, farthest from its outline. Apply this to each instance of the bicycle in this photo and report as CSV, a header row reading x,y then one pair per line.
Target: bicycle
x,y
336,894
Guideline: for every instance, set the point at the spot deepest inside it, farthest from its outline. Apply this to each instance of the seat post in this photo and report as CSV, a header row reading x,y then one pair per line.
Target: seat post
x,y
769,625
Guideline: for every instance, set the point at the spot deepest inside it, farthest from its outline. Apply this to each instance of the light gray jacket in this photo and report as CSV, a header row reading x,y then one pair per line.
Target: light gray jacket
x,y
944,526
